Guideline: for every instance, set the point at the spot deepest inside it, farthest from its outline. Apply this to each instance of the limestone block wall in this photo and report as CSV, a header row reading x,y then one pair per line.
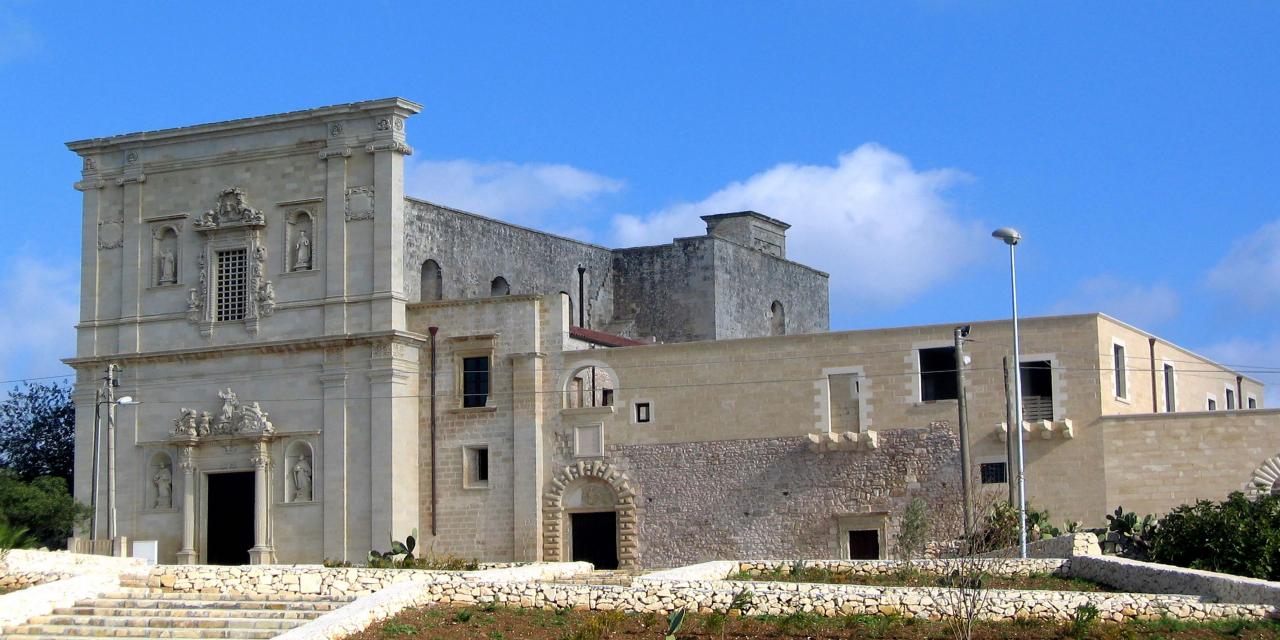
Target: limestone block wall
x,y
770,498
667,291
748,281
1156,462
472,250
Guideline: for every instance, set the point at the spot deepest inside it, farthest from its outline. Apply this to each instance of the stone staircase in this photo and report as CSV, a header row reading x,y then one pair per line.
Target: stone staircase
x,y
136,611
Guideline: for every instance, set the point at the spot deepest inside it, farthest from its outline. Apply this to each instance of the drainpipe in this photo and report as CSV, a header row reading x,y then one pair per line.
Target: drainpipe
x,y
1240,404
1155,402
432,331
582,302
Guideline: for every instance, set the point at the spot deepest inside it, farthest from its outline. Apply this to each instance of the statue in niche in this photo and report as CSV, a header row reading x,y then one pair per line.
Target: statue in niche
x,y
163,481
302,252
168,267
301,479
229,405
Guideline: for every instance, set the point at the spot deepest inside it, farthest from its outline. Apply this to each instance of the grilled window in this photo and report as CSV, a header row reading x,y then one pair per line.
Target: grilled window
x,y
475,381
233,285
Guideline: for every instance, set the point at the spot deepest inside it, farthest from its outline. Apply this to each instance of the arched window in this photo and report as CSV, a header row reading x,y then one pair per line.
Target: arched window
x,y
432,287
589,386
778,320
499,287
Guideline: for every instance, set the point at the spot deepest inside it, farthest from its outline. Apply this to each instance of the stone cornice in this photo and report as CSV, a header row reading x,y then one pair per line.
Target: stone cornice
x,y
462,302
318,115
272,346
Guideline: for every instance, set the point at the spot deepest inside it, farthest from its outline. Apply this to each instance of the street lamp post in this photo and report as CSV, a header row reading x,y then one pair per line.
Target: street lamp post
x,y
1011,237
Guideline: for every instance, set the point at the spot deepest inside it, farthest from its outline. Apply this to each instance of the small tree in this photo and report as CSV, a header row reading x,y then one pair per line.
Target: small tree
x,y
43,507
37,431
913,530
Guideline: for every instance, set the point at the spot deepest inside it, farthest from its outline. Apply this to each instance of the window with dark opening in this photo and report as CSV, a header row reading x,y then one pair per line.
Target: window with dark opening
x,y
233,285
994,472
606,397
643,412
475,381
1253,403
432,287
476,467
1213,404
1037,390
938,374
1170,394
1122,384
1231,399
499,287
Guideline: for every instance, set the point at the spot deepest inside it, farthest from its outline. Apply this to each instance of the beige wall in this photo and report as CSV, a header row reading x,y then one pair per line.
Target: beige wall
x,y
1156,462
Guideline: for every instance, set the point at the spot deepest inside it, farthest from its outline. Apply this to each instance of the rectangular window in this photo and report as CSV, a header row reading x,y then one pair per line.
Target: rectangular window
x,y
475,381
1122,384
1253,402
577,393
994,472
1231,399
233,285
842,388
643,412
606,397
1213,404
1037,390
938,374
475,470
1170,394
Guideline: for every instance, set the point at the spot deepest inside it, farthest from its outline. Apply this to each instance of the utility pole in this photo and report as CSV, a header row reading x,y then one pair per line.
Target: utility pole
x,y
965,463
111,450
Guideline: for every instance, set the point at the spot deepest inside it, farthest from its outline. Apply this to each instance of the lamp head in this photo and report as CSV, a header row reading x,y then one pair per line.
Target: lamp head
x,y
126,401
1008,234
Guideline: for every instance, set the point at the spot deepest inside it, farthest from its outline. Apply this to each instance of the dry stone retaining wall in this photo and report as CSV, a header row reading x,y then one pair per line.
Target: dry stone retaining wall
x,y
1149,577
1004,567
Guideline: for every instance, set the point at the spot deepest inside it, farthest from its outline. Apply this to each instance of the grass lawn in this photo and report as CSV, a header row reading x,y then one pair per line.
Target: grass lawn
x,y
917,579
490,623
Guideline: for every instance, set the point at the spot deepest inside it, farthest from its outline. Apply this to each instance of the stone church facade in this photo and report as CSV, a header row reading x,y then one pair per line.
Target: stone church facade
x,y
324,363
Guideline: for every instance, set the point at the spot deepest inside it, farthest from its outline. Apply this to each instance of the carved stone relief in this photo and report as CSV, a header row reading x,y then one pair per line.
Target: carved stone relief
x,y
232,419
110,234
231,225
359,203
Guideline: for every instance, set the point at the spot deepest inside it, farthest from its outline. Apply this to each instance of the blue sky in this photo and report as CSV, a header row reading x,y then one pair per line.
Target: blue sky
x,y
1133,144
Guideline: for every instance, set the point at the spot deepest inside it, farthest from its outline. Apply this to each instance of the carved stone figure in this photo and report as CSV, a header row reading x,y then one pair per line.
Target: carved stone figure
x,y
205,424
231,208
266,298
301,480
302,252
193,300
229,405
163,481
253,419
168,267
185,425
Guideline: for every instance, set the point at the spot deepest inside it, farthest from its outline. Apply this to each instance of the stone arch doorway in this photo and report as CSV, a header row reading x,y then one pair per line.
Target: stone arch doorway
x,y
590,515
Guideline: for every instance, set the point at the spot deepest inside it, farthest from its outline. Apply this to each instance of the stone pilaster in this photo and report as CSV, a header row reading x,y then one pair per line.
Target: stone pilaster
x,y
335,231
187,554
527,458
334,466
262,551
393,430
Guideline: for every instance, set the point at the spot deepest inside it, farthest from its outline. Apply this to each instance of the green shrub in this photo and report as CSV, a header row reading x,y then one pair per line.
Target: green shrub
x,y
913,530
43,507
1128,536
1239,536
1083,620
12,537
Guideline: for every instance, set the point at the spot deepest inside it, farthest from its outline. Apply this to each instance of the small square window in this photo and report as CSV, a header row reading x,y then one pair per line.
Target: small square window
x,y
475,381
1253,402
938,374
588,441
994,472
475,467
644,412
606,397
1213,404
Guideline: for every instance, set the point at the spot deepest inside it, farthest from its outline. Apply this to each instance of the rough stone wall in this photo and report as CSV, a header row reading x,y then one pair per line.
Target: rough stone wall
x,y
749,281
472,250
772,498
1149,577
667,291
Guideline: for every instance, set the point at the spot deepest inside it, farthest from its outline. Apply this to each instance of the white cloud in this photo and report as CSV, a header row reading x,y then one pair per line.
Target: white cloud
x,y
1253,261
39,307
1256,358
512,191
1137,304
884,230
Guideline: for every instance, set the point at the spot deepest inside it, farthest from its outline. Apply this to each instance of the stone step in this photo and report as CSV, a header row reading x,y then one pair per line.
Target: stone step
x,y
25,631
173,603
250,597
226,612
165,622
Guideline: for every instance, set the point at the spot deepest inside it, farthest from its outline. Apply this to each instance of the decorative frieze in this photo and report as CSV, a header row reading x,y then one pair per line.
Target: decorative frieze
x,y
232,419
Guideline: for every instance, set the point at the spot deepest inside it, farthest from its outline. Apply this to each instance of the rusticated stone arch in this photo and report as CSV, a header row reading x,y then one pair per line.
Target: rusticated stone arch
x,y
1265,478
553,515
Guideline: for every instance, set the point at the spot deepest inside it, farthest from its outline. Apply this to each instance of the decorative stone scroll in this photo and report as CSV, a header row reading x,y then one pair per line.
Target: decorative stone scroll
x,y
231,210
232,419
624,498
1265,478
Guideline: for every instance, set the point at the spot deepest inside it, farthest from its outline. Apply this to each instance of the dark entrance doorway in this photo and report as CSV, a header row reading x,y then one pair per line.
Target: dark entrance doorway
x,y
595,538
229,532
864,545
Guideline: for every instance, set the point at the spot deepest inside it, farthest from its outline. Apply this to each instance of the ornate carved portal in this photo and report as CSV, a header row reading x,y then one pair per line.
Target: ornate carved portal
x,y
585,477
233,286
231,426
